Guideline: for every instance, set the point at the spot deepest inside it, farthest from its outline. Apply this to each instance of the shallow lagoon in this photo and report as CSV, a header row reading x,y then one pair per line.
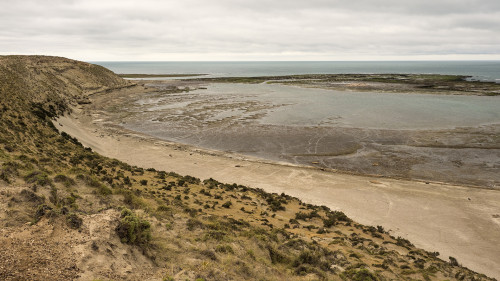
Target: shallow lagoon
x,y
317,107
417,136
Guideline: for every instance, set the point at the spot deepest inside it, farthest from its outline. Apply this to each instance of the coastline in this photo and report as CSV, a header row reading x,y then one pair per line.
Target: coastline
x,y
279,123
436,217
70,213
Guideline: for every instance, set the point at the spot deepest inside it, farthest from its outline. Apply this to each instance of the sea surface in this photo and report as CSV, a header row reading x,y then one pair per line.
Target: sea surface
x,y
480,70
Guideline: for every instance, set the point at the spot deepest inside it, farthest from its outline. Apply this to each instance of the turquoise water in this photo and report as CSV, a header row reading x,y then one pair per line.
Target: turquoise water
x,y
481,70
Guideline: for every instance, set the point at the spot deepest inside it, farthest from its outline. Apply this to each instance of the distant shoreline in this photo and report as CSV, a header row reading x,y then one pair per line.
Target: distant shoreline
x,y
138,75
391,82
480,70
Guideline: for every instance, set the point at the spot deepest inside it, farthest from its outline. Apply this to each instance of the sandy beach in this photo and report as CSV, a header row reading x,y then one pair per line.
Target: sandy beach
x,y
457,221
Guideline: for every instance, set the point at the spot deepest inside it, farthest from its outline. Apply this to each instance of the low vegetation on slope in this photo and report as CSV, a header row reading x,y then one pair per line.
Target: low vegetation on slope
x,y
68,213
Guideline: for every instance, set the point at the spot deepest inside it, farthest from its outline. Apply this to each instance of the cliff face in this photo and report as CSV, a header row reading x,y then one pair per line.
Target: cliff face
x,y
53,80
34,89
65,211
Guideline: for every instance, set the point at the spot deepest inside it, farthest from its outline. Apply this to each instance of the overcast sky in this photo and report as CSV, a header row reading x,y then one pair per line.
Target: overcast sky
x,y
94,30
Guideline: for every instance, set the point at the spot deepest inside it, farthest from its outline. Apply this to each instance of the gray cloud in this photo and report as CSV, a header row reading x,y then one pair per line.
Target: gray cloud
x,y
258,29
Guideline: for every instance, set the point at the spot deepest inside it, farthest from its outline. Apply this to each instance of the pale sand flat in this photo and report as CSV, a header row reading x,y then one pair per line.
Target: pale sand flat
x,y
456,221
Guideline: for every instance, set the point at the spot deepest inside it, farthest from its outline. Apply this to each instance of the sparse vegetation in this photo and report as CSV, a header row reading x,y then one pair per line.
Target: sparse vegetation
x,y
177,225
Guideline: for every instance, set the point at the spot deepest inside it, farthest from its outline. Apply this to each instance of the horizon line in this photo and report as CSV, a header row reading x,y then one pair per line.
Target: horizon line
x,y
428,60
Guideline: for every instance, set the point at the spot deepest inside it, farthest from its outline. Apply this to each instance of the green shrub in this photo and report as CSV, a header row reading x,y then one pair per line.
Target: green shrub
x,y
400,241
192,224
104,190
224,249
30,196
132,229
276,256
132,200
209,254
41,211
191,211
126,180
218,235
380,229
108,179
227,204
360,275
307,257
4,177
161,175
275,204
38,177
190,179
321,230
163,208
67,181
54,198
211,183
90,180
304,216
303,270
339,216
329,222
9,169
74,221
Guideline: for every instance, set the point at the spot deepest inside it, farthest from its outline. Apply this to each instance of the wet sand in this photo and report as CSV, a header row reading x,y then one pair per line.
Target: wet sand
x,y
453,139
458,221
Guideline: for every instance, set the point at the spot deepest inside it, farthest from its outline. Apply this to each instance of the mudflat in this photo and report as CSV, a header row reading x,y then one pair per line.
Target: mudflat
x,y
458,221
407,135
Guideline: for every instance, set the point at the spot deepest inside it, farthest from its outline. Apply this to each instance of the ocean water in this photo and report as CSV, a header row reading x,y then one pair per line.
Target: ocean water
x,y
480,70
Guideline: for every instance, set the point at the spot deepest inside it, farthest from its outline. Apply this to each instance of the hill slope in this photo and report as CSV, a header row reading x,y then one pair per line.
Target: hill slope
x,y
67,213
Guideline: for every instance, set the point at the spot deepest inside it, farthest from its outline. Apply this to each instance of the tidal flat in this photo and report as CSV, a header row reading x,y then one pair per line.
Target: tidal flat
x,y
415,135
431,211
